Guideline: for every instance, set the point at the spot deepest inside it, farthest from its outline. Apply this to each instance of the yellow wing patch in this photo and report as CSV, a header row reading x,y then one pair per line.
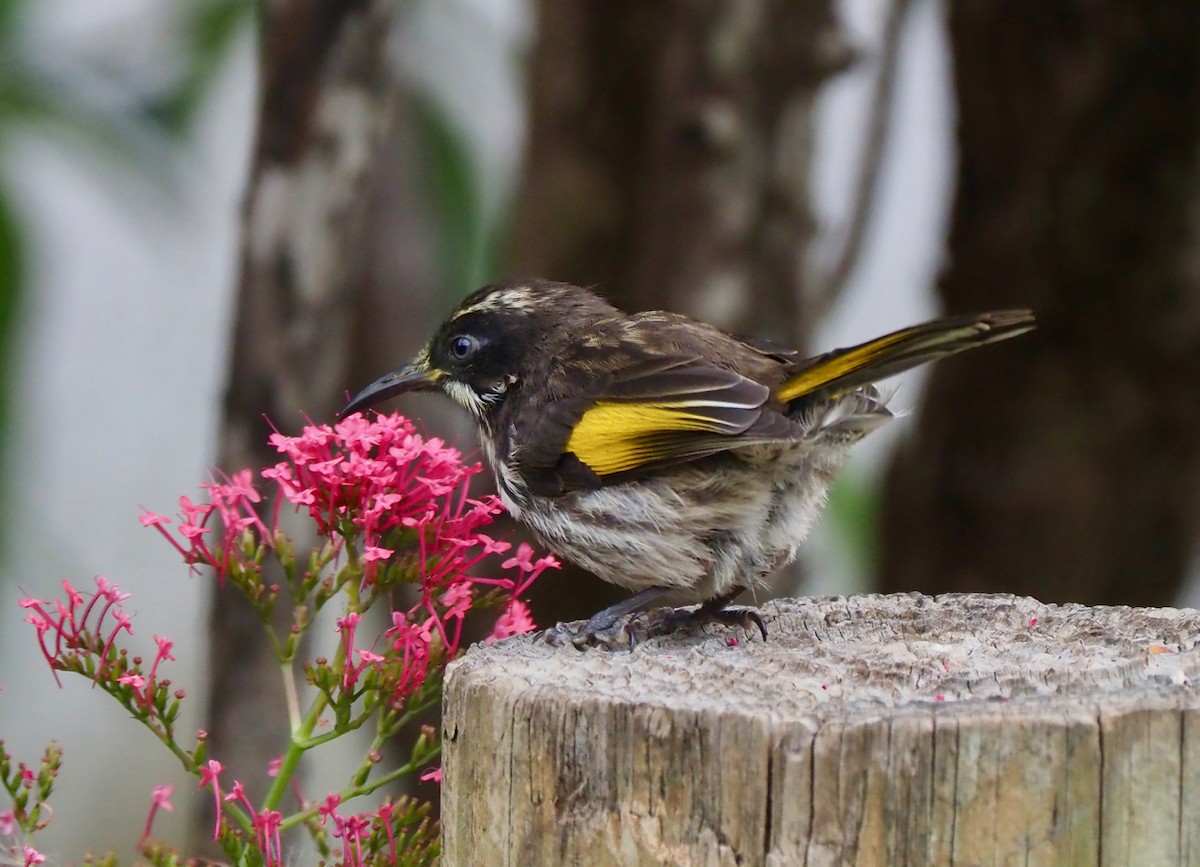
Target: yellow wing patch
x,y
617,437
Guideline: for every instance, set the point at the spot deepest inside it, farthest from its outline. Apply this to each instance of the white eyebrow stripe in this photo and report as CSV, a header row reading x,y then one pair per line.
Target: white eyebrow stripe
x,y
520,298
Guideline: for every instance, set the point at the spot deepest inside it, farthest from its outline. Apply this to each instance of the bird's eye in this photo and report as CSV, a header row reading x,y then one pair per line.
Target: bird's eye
x,y
463,347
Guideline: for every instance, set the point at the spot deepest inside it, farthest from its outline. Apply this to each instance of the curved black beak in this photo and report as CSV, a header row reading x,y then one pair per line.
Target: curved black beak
x,y
413,377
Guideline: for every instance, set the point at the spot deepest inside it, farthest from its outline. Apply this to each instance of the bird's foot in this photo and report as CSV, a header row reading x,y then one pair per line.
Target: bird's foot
x,y
626,632
614,635
665,621
609,629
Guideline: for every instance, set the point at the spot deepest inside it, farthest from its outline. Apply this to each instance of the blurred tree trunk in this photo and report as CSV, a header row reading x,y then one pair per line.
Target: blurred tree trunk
x,y
667,165
1067,464
325,90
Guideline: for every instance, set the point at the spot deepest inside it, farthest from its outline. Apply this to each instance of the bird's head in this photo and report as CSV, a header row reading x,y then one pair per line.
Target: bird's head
x,y
490,343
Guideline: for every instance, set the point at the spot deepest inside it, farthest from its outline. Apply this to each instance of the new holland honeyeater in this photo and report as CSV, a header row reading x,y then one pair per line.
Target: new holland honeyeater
x,y
660,453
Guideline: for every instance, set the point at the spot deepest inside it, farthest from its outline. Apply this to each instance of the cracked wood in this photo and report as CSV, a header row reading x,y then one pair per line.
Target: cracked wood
x,y
872,730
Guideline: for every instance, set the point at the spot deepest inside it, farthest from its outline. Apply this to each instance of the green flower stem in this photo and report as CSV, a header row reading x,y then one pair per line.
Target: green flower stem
x,y
291,757
302,729
290,696
391,776
335,733
152,724
389,724
366,789
301,735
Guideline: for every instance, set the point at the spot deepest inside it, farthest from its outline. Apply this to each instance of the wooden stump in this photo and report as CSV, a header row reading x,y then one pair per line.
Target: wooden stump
x,y
871,730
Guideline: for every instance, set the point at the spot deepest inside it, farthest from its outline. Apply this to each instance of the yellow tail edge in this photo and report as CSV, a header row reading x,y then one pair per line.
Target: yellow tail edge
x,y
902,350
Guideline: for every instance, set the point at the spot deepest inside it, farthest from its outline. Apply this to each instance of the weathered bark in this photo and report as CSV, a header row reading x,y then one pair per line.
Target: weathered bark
x,y
667,164
880,731
1066,465
324,94
669,151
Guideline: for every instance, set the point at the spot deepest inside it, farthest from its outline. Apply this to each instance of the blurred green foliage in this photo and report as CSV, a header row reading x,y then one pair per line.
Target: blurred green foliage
x,y
854,505
468,251
122,114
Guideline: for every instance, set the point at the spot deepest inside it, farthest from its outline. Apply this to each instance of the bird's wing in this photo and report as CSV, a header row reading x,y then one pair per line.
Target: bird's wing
x,y
657,402
652,413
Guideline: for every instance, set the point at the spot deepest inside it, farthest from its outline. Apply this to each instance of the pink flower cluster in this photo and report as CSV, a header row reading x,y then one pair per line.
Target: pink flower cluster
x,y
235,502
81,625
371,481
438,619
266,823
353,830
380,481
85,628
394,509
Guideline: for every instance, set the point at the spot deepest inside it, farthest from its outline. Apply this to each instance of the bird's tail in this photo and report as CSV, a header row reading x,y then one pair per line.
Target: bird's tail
x,y
845,369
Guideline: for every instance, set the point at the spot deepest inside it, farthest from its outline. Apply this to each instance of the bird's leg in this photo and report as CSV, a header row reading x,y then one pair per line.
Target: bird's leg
x,y
598,629
715,610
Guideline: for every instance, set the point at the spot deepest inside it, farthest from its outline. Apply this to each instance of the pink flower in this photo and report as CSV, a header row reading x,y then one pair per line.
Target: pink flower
x,y
369,485
353,830
234,501
372,553
77,625
411,643
384,813
193,532
33,856
432,775
523,560
160,799
8,823
163,654
346,626
457,599
532,568
73,595
208,777
241,487
150,519
359,434
516,620
492,546
328,807
266,830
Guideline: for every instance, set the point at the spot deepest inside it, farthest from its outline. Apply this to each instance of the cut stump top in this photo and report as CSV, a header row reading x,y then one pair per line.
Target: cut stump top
x,y
869,730
834,654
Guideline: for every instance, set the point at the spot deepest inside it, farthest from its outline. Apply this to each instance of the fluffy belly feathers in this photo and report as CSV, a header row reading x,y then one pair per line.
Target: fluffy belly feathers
x,y
702,529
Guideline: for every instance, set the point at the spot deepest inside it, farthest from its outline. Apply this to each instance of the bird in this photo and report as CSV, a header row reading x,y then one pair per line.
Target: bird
x,y
658,452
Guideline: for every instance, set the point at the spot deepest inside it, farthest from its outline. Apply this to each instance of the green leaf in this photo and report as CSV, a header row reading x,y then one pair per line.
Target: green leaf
x,y
454,189
208,27
854,513
8,15
12,275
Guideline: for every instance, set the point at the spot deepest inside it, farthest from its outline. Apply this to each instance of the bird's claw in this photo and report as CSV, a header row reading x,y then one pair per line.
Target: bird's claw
x,y
668,620
583,633
627,632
